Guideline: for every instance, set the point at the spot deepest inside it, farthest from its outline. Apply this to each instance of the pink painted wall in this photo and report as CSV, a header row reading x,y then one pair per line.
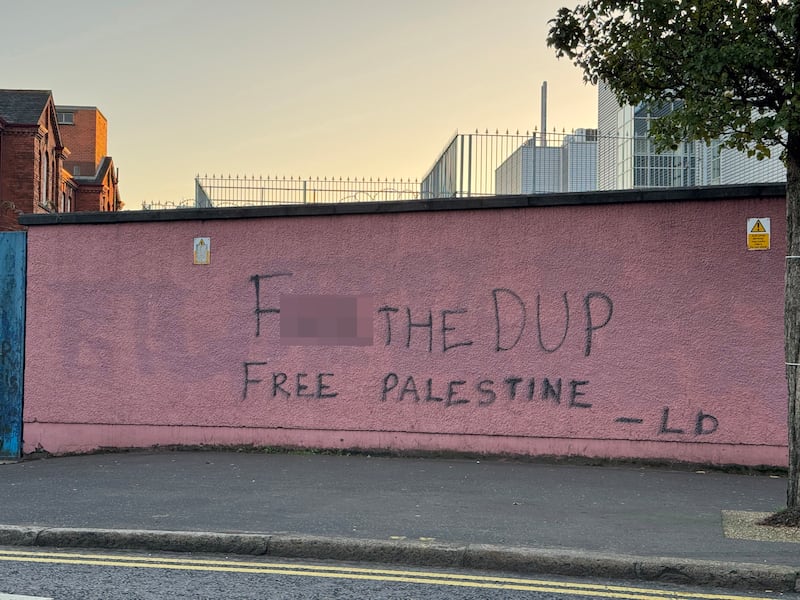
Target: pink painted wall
x,y
672,333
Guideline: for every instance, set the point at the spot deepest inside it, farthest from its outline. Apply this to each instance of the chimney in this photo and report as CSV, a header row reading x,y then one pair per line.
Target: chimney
x,y
544,113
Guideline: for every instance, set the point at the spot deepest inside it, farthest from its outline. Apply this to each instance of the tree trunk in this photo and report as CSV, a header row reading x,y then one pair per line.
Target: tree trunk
x,y
792,313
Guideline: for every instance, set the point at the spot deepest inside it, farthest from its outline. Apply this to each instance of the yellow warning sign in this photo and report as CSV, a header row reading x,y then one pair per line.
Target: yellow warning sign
x,y
758,233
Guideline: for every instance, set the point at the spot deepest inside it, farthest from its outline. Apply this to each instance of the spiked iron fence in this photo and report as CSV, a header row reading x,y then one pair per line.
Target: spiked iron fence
x,y
219,191
474,164
153,205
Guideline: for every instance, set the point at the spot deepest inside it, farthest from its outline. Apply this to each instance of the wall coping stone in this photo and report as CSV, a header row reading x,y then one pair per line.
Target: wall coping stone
x,y
650,195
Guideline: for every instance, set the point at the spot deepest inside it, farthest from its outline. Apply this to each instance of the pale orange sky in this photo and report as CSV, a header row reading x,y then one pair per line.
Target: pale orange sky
x,y
350,88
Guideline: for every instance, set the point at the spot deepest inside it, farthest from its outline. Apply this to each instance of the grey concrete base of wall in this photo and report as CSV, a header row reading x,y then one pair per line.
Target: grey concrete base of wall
x,y
528,561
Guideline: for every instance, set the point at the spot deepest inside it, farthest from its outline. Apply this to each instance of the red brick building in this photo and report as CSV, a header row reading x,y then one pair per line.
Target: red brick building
x,y
84,131
35,161
31,153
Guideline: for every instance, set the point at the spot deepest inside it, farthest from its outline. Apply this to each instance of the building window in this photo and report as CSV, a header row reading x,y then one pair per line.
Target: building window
x,y
715,162
65,118
76,171
44,175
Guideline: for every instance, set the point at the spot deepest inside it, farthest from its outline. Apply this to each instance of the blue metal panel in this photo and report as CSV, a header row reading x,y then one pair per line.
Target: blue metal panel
x,y
12,341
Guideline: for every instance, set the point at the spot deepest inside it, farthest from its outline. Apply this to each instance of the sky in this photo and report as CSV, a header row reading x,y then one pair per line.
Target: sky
x,y
308,88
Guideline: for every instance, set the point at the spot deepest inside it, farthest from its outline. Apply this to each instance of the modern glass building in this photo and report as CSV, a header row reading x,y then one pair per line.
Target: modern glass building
x,y
626,156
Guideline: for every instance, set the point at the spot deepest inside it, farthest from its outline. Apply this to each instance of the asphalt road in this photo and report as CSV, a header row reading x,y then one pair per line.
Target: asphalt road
x,y
124,575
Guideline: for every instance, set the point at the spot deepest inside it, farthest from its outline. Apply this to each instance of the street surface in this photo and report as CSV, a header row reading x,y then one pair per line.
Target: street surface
x,y
619,510
104,575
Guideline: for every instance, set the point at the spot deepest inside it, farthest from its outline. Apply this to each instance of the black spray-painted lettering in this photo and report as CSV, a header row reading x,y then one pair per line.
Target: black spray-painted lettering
x,y
387,311
512,382
247,379
461,391
322,387
510,316
260,310
282,386
410,387
452,392
531,388
705,424
423,325
445,329
488,395
590,326
429,397
665,428
389,383
520,305
301,387
278,379
550,391
510,323
574,392
539,324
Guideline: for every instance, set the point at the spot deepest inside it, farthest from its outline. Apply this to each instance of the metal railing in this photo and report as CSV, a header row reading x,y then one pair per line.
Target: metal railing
x,y
220,191
153,205
486,164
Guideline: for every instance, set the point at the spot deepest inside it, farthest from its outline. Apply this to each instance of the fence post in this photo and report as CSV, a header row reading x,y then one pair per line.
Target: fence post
x,y
533,174
460,190
469,166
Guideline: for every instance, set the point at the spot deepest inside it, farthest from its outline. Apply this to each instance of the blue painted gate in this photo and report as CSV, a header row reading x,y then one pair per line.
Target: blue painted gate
x,y
12,341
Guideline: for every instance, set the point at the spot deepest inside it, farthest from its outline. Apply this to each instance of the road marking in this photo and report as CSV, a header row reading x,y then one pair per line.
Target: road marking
x,y
17,597
356,573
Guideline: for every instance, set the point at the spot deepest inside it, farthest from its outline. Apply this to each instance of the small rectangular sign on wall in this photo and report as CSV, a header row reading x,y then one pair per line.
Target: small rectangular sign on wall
x,y
202,251
758,234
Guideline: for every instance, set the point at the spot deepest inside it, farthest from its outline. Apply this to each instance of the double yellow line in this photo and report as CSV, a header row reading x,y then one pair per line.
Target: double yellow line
x,y
355,573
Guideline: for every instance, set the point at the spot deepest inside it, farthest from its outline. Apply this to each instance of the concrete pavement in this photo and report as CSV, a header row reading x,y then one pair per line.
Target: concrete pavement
x,y
534,517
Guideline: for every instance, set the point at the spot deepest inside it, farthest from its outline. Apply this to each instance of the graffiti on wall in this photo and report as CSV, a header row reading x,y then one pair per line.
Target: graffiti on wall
x,y
514,325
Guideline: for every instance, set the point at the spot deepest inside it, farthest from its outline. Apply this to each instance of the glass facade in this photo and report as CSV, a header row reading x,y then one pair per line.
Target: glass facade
x,y
627,157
